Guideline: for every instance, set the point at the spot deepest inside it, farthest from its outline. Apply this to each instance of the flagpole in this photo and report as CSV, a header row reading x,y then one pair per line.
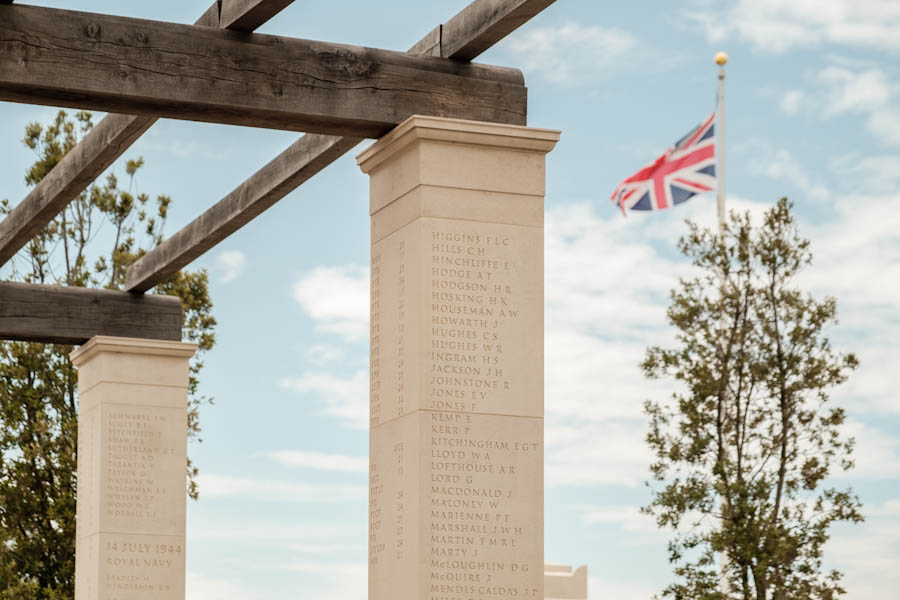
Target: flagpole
x,y
721,60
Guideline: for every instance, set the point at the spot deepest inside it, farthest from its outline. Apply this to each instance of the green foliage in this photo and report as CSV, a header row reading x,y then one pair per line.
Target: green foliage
x,y
91,244
744,450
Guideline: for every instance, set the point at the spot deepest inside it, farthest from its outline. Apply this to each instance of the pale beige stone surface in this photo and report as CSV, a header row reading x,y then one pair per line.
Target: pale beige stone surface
x,y
449,203
106,359
456,397
455,308
457,154
455,506
562,582
130,567
132,446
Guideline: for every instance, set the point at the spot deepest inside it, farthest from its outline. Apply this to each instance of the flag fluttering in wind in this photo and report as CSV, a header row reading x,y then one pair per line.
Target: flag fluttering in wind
x,y
683,171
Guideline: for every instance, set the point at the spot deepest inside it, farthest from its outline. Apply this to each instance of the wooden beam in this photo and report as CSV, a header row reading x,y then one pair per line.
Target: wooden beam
x,y
482,24
303,159
306,157
248,15
211,17
133,66
80,167
71,315
430,45
101,147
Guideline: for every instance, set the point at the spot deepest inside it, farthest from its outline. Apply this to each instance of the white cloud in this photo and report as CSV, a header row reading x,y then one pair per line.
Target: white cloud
x,y
337,298
780,164
297,549
193,149
857,261
877,453
775,26
869,553
640,529
187,141
570,53
231,264
321,354
874,174
320,461
346,581
351,570
169,138
346,399
263,490
885,123
792,101
325,548
852,91
575,457
202,587
629,518
275,533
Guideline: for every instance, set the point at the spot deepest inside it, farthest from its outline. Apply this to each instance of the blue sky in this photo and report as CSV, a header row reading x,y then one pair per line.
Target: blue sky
x,y
813,113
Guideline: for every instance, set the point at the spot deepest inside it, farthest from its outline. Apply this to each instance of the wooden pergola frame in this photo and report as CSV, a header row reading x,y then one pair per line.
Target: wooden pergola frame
x,y
216,71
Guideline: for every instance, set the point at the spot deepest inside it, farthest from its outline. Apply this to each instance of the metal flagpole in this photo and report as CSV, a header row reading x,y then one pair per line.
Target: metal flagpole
x,y
721,60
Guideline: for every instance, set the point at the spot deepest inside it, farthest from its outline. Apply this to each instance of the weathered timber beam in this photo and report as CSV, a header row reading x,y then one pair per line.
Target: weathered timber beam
x,y
303,159
211,17
484,23
103,144
71,315
133,66
247,15
101,147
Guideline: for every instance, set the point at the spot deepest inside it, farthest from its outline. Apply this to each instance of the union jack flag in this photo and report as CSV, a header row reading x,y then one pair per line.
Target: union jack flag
x,y
683,171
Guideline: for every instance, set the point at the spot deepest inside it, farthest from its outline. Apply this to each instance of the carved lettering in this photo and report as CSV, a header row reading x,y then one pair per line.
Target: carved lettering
x,y
468,467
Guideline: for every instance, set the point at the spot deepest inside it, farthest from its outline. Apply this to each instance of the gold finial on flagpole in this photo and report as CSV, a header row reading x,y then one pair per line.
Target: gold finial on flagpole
x,y
721,58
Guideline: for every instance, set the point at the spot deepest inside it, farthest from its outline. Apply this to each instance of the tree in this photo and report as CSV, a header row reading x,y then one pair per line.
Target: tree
x,y
90,244
744,450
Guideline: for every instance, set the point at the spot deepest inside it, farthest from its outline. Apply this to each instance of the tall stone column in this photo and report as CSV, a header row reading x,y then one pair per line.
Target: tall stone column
x,y
457,361
132,447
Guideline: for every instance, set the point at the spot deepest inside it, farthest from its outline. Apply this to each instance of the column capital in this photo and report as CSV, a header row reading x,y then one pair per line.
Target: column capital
x,y
131,361
106,343
438,129
414,167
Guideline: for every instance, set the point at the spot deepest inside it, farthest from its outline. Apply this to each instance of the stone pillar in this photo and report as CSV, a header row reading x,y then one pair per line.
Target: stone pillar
x,y
457,361
132,447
